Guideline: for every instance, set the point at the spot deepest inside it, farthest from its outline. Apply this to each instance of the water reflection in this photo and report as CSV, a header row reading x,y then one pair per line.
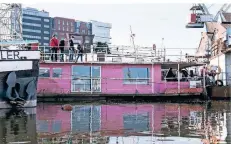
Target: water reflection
x,y
130,123
118,124
18,126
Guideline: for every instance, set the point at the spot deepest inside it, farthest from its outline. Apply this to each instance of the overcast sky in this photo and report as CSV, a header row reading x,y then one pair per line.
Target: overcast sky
x,y
150,22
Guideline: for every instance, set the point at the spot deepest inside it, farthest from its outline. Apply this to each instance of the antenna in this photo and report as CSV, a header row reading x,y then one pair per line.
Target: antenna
x,y
163,50
133,42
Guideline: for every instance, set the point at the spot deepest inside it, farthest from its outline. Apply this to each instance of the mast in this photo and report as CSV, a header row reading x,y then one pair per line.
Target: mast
x,y
133,42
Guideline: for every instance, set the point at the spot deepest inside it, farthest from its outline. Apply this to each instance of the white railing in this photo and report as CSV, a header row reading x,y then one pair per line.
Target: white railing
x,y
123,54
116,85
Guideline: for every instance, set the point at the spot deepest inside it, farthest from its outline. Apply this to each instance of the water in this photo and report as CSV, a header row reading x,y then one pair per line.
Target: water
x,y
158,123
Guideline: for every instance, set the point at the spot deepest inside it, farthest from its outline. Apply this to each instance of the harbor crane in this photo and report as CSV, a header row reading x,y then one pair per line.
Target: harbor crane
x,y
200,15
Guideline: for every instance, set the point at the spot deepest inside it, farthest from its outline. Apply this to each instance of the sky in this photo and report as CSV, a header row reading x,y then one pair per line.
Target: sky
x,y
150,22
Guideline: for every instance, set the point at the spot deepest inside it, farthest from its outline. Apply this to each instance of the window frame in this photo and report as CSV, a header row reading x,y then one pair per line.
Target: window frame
x,y
59,74
91,78
164,79
45,68
126,81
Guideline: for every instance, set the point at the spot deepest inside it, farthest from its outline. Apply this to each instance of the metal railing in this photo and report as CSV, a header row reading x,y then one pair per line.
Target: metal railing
x,y
122,54
116,85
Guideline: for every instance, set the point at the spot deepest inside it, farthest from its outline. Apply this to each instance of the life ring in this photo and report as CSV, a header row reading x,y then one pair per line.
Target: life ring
x,y
219,82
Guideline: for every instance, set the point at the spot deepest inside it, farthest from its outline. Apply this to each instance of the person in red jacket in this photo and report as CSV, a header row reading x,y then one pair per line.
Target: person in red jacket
x,y
54,44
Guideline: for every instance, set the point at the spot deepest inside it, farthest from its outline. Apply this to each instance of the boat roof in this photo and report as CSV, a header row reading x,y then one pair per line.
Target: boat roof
x,y
164,65
182,65
18,42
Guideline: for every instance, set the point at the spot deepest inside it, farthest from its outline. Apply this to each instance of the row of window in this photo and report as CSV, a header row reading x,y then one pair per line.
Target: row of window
x,y
83,31
32,30
32,37
35,37
71,30
78,23
32,24
130,75
32,18
65,23
45,72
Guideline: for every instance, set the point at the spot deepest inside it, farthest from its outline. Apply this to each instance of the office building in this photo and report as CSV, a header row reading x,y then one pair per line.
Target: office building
x,y
83,27
62,27
36,25
101,31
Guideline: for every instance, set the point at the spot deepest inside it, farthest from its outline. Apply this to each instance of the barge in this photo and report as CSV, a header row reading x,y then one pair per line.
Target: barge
x,y
119,75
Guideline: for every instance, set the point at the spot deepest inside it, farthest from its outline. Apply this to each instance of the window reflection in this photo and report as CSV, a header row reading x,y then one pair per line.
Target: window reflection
x,y
137,123
86,78
44,72
57,72
136,75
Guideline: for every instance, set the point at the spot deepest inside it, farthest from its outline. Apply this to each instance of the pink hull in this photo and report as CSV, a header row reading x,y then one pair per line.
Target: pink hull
x,y
111,80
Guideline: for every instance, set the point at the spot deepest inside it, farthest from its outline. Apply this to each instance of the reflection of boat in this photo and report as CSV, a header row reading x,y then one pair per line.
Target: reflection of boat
x,y
18,125
144,121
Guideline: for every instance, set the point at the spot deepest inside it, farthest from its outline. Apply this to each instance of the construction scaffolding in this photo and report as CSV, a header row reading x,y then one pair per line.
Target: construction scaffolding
x,y
10,22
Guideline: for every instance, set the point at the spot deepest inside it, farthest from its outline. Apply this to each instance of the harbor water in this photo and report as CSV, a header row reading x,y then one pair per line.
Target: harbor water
x,y
115,123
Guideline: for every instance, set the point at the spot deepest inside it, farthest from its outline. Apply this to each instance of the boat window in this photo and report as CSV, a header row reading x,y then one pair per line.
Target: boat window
x,y
86,78
57,72
165,71
136,75
44,72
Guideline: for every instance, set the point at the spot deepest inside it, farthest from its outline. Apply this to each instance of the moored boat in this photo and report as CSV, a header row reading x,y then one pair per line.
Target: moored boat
x,y
118,74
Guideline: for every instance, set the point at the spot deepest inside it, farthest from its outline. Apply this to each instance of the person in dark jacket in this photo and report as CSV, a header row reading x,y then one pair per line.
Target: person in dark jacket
x,y
80,53
54,44
61,47
71,48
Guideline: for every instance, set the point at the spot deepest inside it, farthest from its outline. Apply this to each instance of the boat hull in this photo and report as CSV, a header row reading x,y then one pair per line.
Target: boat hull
x,y
26,84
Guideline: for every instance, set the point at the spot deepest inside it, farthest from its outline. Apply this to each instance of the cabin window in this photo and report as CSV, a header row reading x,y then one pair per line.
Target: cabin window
x,y
86,78
44,72
57,72
136,75
164,73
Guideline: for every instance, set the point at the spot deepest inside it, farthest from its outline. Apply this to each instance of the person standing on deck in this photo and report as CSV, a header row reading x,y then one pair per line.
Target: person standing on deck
x,y
54,44
71,49
61,47
80,53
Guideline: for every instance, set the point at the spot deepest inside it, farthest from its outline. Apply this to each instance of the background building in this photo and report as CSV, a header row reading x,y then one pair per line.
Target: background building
x,y
62,27
101,31
36,25
83,27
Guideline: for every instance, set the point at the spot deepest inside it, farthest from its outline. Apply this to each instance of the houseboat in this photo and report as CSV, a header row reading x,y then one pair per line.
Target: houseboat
x,y
122,72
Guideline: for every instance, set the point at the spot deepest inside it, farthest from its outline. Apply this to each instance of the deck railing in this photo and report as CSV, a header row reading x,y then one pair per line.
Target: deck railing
x,y
124,54
117,85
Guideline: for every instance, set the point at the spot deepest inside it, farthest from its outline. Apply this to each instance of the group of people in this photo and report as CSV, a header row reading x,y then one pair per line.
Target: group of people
x,y
56,45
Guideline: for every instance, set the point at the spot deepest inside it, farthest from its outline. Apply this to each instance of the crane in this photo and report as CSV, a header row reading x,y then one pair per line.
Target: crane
x,y
200,15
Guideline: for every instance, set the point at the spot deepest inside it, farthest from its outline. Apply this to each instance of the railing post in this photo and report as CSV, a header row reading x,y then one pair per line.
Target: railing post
x,y
178,77
204,79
